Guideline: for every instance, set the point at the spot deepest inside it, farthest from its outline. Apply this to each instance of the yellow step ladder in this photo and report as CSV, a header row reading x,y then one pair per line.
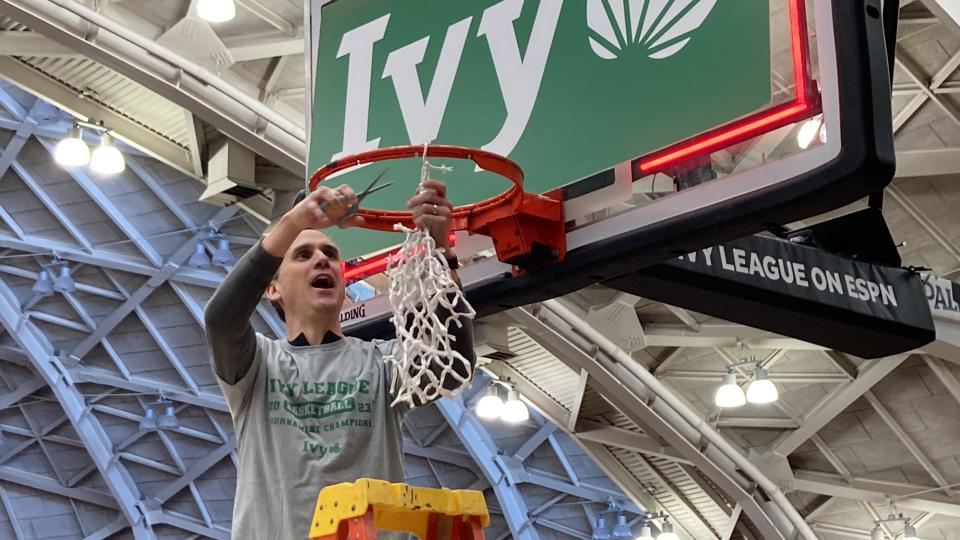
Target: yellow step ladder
x,y
357,510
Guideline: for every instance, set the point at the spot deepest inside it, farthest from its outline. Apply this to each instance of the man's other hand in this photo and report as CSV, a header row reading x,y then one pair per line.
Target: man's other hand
x,y
432,211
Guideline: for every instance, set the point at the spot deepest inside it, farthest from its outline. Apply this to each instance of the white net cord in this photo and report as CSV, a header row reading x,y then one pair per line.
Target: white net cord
x,y
421,290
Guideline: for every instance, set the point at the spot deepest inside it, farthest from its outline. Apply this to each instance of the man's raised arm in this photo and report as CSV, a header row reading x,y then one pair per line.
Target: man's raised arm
x,y
230,336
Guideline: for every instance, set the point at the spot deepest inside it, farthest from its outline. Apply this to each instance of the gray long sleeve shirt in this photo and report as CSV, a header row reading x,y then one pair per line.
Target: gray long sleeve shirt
x,y
304,417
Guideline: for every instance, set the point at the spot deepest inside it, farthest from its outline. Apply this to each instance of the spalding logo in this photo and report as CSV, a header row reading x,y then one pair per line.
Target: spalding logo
x,y
355,312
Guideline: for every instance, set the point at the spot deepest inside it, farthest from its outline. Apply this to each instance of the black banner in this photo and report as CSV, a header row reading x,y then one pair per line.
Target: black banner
x,y
797,291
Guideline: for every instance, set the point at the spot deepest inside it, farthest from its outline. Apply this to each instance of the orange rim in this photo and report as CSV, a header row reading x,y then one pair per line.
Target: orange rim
x,y
468,217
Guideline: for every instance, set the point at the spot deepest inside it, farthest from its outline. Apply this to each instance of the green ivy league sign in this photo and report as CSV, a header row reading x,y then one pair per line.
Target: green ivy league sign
x,y
566,88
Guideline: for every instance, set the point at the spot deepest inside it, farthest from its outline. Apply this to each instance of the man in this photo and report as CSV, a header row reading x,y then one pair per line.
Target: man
x,y
312,409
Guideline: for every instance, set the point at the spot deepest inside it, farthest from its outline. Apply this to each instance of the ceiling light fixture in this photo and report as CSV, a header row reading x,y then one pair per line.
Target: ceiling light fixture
x,y
64,283
729,394
600,532
107,159
490,405
44,285
761,389
645,533
222,256
72,151
514,410
909,531
216,11
621,531
199,259
167,420
667,532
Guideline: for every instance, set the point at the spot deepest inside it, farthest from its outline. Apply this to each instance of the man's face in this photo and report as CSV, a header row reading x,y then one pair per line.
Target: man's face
x,y
309,280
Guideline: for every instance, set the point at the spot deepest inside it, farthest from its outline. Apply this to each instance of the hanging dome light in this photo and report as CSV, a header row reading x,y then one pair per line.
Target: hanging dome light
x,y
199,259
645,533
149,420
168,420
600,532
64,283
621,531
514,410
216,11
762,390
222,256
72,151
490,405
876,533
107,159
729,394
910,532
43,286
808,132
667,533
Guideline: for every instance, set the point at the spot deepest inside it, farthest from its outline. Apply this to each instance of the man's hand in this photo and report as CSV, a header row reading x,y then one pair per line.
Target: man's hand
x,y
432,210
311,214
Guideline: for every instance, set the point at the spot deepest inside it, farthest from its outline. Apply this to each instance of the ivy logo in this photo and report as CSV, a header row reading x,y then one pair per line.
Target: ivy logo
x,y
655,28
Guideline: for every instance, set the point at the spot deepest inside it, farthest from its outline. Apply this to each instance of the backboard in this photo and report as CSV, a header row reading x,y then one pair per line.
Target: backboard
x,y
667,125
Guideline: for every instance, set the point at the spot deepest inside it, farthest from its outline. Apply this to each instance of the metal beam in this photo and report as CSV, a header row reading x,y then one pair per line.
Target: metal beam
x,y
721,335
626,439
162,275
186,523
681,498
779,377
171,76
11,515
484,452
908,441
611,381
23,390
40,193
727,533
246,48
18,43
101,199
909,496
870,372
910,67
107,530
534,442
198,468
924,221
620,475
436,453
49,485
919,163
88,428
126,129
269,16
105,259
148,386
946,376
946,11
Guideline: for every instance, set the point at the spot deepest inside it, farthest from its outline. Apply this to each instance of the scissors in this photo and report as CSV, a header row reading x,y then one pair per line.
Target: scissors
x,y
356,205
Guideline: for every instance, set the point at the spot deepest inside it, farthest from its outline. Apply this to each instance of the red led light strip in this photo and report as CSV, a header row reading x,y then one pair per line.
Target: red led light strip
x,y
803,105
374,265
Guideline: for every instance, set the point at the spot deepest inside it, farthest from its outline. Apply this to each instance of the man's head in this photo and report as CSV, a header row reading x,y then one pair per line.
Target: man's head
x,y
309,283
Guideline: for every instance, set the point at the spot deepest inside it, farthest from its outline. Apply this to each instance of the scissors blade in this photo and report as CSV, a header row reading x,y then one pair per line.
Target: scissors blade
x,y
373,183
373,190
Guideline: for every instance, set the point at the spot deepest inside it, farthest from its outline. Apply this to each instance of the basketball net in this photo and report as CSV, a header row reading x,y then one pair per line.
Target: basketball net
x,y
421,286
